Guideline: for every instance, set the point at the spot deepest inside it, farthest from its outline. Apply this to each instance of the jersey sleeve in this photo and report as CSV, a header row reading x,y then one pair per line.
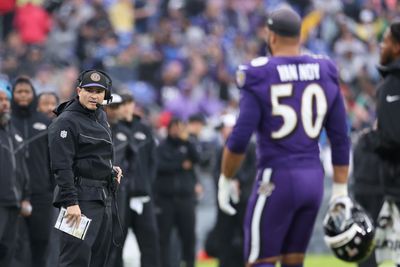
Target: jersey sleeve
x,y
250,74
337,130
332,71
246,124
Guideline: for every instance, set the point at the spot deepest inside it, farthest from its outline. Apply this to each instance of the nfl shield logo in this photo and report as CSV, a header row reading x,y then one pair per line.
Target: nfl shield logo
x,y
63,134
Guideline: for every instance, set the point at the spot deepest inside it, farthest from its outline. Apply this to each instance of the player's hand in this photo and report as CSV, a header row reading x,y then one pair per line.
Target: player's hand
x,y
338,190
73,215
227,190
119,176
26,208
340,207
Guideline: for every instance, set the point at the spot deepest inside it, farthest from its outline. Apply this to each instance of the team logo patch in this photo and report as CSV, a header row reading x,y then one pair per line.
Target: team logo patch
x,y
140,136
240,78
266,188
121,137
63,134
39,126
18,138
95,77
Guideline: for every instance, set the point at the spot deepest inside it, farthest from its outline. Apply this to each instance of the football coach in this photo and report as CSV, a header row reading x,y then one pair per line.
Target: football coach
x,y
81,155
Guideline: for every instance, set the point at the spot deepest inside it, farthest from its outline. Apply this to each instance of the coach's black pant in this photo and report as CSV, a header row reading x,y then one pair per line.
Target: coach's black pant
x,y
93,251
372,205
176,212
8,234
145,228
39,226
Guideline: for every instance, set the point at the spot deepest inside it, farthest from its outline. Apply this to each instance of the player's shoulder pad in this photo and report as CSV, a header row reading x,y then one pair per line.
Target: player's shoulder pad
x,y
328,62
247,74
324,58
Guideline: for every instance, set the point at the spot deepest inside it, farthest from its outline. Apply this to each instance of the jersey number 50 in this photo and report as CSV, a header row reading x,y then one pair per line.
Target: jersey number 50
x,y
312,94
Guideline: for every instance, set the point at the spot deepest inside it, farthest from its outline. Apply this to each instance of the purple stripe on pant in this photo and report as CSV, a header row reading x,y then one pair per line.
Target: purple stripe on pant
x,y
281,212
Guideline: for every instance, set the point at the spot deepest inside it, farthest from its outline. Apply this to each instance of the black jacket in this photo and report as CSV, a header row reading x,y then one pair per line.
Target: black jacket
x,y
144,167
124,151
387,144
14,177
80,146
33,127
172,179
385,141
367,167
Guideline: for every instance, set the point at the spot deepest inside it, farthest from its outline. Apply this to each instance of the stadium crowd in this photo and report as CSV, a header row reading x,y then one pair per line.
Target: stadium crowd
x,y
178,57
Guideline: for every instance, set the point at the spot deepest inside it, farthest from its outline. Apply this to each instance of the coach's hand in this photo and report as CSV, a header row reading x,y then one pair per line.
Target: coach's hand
x,y
119,176
227,190
26,208
73,215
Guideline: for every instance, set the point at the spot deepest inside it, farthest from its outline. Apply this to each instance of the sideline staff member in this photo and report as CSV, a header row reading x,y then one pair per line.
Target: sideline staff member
x,y
81,153
14,186
386,141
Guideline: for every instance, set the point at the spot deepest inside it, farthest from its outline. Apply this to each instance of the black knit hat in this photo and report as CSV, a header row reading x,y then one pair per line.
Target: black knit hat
x,y
285,22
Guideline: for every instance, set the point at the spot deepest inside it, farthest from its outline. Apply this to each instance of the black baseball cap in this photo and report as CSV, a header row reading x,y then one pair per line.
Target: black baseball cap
x,y
395,30
94,78
284,21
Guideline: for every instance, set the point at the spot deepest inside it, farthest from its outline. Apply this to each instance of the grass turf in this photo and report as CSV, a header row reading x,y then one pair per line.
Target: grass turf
x,y
311,261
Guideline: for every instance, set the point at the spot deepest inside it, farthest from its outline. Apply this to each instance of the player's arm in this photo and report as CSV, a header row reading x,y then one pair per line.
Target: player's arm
x,y
337,130
235,148
231,162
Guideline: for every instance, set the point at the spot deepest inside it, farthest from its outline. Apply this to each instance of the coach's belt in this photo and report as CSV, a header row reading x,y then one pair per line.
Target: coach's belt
x,y
90,182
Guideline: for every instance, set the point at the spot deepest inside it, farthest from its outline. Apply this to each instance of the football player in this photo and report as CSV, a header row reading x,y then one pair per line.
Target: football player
x,y
287,99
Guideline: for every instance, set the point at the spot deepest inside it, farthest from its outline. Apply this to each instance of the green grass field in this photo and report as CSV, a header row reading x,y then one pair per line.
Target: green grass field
x,y
311,261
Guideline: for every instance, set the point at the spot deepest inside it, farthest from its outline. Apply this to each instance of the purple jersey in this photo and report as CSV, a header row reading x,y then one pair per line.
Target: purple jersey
x,y
288,101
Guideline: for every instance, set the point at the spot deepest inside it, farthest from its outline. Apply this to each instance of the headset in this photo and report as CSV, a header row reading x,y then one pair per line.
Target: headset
x,y
108,96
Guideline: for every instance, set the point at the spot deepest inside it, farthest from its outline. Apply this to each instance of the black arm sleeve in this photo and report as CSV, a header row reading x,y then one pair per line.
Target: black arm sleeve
x,y
62,148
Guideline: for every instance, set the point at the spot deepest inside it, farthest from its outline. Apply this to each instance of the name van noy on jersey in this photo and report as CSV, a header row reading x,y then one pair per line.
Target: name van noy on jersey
x,y
299,72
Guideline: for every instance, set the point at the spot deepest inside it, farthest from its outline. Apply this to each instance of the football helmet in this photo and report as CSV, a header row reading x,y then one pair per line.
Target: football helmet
x,y
349,231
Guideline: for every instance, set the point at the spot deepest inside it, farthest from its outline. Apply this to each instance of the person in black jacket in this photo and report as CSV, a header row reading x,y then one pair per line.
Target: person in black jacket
x,y
47,102
367,184
14,186
140,213
124,154
33,127
226,240
175,192
385,140
81,154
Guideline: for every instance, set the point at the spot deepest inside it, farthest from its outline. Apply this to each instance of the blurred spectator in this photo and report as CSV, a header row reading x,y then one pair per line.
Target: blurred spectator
x,y
225,241
47,102
15,194
33,127
33,23
175,193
